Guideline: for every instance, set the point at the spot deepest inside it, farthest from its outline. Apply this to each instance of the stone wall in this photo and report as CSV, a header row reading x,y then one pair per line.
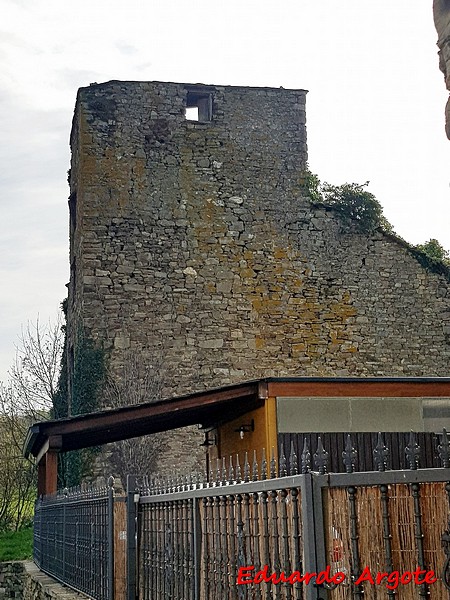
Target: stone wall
x,y
40,586
441,10
12,580
24,581
193,246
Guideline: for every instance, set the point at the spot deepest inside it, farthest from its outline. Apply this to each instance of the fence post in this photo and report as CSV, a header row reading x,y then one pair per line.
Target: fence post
x,y
197,543
313,534
111,538
309,547
319,532
66,495
132,500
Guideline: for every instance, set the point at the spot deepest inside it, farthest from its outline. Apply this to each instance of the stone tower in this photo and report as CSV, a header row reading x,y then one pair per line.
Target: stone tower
x,y
191,241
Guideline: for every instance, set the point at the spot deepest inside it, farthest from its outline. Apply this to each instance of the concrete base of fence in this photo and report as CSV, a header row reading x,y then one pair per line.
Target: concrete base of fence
x,y
24,581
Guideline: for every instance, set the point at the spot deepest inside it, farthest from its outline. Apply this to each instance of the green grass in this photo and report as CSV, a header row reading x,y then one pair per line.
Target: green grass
x,y
16,545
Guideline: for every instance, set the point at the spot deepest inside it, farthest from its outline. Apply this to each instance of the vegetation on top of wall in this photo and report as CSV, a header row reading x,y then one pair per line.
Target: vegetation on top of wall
x,y
359,209
355,206
433,256
435,250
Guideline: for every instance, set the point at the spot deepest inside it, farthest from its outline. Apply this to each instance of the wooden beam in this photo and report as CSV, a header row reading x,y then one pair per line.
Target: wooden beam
x,y
360,389
42,452
47,460
105,419
112,425
215,406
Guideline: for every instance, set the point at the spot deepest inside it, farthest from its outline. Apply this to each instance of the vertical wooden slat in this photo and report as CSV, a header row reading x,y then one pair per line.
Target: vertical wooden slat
x,y
120,551
334,444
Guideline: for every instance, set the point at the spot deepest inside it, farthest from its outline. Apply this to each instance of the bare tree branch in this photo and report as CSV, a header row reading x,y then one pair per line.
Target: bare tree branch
x,y
34,374
27,397
136,383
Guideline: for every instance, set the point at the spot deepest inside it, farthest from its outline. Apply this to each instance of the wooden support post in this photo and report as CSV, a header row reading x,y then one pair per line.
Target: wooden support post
x,y
51,472
48,467
41,477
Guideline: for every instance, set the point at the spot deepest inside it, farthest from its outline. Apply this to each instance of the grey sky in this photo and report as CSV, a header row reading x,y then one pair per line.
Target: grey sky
x,y
375,107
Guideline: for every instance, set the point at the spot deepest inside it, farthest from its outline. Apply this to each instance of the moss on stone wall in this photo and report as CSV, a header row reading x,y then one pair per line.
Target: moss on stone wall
x,y
88,379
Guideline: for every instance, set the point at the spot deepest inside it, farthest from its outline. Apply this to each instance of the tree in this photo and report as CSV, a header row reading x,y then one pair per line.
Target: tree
x,y
135,384
17,480
35,372
355,205
434,250
27,397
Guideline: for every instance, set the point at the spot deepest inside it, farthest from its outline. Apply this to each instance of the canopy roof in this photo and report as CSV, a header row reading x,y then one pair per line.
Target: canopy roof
x,y
212,407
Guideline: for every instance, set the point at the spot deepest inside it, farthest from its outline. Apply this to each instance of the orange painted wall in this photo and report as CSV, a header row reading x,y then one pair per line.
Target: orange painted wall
x,y
263,436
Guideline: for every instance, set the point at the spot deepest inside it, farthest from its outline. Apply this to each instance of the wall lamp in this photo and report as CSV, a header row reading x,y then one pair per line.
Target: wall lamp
x,y
246,428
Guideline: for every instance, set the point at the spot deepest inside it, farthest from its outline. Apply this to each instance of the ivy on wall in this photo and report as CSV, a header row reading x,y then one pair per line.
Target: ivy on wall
x,y
88,376
60,399
87,381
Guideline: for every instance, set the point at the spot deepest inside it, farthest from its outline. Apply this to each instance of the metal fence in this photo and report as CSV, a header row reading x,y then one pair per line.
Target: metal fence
x,y
194,536
279,529
193,539
74,539
196,540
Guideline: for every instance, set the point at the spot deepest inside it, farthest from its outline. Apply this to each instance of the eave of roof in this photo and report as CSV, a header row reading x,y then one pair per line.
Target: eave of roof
x,y
107,426
214,406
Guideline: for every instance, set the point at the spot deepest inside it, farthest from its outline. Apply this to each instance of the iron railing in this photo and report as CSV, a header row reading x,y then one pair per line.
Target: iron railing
x,y
194,537
74,539
188,539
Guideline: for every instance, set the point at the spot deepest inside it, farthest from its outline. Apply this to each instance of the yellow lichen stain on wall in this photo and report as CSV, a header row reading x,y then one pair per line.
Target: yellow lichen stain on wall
x,y
276,282
116,172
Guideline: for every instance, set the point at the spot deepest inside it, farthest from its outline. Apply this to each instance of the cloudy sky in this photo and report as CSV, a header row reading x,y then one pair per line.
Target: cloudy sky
x,y
375,107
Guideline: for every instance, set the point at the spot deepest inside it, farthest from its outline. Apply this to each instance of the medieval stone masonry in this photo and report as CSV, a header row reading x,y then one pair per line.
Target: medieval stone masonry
x,y
192,243
441,12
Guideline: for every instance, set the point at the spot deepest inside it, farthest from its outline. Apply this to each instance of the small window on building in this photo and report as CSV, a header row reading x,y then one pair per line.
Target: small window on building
x,y
192,113
198,106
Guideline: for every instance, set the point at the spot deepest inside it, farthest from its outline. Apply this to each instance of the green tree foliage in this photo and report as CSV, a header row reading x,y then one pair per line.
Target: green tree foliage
x,y
434,250
356,206
353,203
